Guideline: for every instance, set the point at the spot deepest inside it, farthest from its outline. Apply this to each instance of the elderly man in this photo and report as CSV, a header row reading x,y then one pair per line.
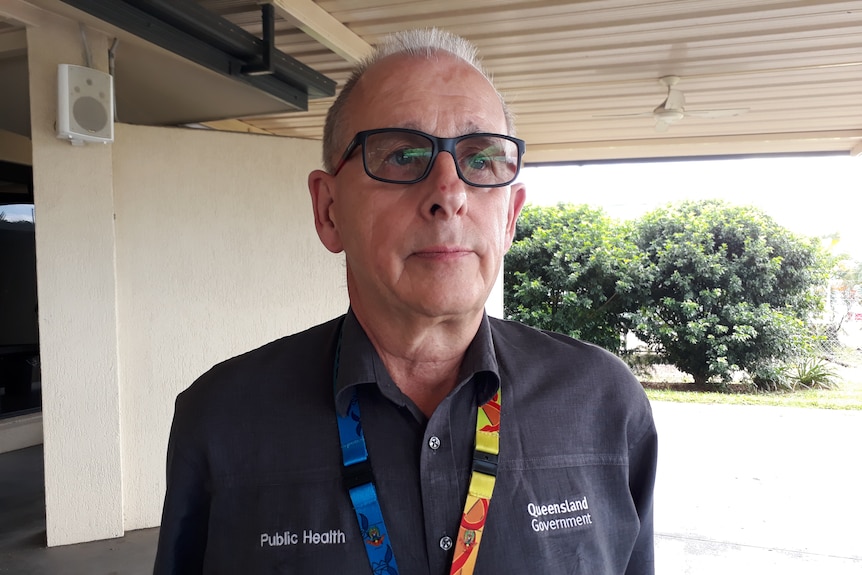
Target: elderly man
x,y
414,435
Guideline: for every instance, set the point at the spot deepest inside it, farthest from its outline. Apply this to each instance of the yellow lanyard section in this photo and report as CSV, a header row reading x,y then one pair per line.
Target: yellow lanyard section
x,y
481,488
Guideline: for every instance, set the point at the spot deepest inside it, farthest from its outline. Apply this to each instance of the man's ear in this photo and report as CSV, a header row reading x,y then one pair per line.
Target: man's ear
x,y
517,197
321,186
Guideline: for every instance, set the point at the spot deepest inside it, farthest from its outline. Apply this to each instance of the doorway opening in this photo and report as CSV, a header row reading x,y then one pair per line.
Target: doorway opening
x,y
20,381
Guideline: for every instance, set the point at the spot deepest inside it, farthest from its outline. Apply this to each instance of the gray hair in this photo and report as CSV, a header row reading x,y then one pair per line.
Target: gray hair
x,y
418,42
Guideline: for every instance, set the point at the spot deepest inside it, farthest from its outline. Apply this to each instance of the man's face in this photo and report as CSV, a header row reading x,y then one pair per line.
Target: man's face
x,y
433,248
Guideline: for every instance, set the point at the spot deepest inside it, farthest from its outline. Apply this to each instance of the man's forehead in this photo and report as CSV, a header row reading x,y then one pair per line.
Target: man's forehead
x,y
420,92
403,70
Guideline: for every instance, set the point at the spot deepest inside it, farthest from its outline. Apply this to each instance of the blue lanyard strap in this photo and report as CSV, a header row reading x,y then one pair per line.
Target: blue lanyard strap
x,y
359,481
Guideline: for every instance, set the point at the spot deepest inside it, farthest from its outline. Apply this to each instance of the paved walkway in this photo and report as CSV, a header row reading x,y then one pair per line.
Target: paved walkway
x,y
741,490
758,489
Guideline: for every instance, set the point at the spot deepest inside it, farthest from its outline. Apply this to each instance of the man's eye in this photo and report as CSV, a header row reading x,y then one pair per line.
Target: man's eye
x,y
484,159
479,162
408,156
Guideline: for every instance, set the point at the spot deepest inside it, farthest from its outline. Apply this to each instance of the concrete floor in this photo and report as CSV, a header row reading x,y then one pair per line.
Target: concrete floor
x,y
22,530
740,490
758,490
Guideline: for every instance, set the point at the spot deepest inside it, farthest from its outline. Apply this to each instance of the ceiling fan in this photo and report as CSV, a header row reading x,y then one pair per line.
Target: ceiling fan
x,y
673,110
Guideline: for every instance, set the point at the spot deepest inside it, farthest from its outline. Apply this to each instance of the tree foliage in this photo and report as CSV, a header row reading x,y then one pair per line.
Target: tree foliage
x,y
729,288
567,272
713,288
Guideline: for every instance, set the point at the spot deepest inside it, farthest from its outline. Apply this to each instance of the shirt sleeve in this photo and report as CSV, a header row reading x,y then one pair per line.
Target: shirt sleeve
x,y
643,456
185,516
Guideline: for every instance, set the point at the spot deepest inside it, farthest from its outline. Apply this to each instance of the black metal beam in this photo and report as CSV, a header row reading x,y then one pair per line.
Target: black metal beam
x,y
193,32
267,63
7,198
20,174
16,173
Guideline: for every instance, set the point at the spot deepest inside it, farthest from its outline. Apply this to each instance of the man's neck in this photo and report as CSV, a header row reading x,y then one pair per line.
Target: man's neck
x,y
423,356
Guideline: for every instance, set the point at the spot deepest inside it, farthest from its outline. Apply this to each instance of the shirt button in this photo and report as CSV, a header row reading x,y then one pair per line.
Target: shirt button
x,y
445,543
434,442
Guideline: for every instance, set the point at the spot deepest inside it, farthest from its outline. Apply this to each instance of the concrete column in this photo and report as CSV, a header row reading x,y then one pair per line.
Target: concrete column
x,y
73,191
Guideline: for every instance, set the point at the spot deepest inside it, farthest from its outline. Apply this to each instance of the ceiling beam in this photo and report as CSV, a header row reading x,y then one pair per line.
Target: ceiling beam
x,y
235,126
22,12
15,148
13,43
741,144
325,28
833,135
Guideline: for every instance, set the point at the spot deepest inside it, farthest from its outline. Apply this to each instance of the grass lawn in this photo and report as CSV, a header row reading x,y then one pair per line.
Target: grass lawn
x,y
848,395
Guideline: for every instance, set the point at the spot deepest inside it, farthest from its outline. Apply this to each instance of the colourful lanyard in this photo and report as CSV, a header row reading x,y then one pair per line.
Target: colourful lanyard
x,y
359,481
481,488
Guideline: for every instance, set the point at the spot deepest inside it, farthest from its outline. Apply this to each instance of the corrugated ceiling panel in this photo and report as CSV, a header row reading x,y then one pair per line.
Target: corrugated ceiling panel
x,y
797,67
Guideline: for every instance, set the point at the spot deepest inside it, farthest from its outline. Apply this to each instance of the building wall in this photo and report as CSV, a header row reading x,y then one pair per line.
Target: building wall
x,y
216,254
73,192
157,256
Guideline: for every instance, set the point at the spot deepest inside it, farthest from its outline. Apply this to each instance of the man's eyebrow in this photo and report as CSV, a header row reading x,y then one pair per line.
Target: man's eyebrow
x,y
470,128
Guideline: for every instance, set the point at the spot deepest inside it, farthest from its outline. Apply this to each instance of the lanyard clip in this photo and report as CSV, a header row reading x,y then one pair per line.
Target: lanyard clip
x,y
357,474
484,462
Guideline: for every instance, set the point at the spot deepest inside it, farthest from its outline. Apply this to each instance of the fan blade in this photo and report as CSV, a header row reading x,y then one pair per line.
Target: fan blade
x,y
661,126
675,100
638,115
716,113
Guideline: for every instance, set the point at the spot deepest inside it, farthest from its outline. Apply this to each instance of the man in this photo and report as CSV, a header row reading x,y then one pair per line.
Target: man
x,y
414,435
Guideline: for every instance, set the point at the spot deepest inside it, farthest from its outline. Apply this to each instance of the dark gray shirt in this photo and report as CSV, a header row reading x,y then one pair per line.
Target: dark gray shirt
x,y
254,460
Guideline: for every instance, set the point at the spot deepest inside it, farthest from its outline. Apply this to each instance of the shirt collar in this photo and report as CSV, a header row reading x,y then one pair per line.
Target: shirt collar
x,y
358,363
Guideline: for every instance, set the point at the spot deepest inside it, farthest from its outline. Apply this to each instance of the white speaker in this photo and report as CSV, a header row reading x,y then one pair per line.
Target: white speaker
x,y
85,98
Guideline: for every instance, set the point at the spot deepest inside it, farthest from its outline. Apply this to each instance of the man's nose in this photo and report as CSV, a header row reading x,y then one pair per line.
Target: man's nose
x,y
445,162
448,194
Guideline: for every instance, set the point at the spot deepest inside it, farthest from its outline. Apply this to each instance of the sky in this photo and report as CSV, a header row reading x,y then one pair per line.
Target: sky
x,y
14,212
815,195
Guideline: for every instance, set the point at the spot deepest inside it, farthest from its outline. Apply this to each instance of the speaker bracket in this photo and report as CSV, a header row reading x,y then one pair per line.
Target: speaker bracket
x,y
266,64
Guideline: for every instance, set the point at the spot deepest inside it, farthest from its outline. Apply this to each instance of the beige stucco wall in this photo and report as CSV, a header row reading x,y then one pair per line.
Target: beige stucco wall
x,y
216,255
73,190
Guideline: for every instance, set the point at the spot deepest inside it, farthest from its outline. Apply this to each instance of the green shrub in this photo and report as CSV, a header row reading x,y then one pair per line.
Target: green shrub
x,y
814,373
772,377
641,363
729,289
571,269
802,373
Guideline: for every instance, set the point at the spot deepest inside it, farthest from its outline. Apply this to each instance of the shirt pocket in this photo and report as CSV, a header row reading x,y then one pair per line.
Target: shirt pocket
x,y
560,514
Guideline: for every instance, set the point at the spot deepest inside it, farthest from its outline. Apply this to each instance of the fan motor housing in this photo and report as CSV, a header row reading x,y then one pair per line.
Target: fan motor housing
x,y
669,115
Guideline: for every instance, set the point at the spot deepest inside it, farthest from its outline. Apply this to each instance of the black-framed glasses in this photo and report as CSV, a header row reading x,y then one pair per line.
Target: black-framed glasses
x,y
404,156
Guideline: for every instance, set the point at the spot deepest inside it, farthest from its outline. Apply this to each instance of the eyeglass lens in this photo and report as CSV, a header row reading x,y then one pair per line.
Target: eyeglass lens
x,y
483,160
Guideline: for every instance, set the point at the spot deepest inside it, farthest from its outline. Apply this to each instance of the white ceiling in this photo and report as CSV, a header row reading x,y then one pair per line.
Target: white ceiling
x,y
796,66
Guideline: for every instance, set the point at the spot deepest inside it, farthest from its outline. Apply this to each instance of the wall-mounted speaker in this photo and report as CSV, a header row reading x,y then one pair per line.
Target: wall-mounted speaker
x,y
85,98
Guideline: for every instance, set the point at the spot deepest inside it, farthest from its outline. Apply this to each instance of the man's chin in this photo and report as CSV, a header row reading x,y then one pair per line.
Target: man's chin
x,y
452,309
